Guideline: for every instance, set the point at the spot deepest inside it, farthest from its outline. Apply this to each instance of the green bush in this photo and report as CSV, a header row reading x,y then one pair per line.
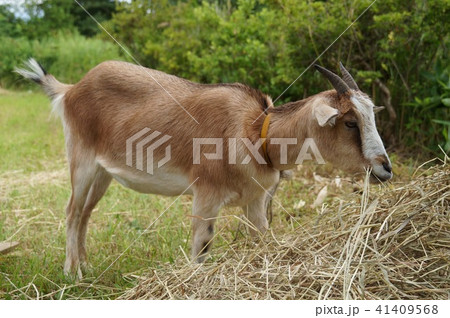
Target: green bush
x,y
431,114
13,51
70,57
269,43
67,56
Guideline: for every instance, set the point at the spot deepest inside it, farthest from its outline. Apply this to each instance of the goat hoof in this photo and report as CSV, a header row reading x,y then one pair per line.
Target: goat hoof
x,y
73,273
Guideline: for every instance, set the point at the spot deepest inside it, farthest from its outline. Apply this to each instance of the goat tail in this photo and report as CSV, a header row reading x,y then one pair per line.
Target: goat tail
x,y
52,87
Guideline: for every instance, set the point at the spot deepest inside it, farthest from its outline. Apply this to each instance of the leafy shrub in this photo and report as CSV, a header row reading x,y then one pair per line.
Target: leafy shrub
x,y
12,51
70,57
269,43
431,113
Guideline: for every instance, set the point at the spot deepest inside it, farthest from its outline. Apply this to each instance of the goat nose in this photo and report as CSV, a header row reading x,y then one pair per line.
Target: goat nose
x,y
387,166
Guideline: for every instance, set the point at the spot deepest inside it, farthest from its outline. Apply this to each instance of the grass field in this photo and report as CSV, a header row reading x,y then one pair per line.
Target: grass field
x,y
34,189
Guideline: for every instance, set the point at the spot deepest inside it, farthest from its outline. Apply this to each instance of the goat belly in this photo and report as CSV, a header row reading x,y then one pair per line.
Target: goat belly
x,y
159,183
162,181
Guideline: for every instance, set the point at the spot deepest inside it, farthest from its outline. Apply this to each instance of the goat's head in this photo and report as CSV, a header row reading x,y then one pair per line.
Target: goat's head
x,y
344,121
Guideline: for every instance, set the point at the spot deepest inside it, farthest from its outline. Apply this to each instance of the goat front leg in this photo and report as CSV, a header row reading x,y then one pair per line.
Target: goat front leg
x,y
205,212
255,212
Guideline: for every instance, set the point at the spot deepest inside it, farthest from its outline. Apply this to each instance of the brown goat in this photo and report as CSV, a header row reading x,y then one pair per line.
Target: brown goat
x,y
118,103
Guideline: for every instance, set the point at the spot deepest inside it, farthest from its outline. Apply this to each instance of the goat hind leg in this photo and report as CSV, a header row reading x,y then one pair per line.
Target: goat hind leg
x,y
98,188
82,177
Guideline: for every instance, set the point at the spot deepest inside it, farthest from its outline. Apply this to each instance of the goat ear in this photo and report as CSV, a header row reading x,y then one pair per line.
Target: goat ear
x,y
377,109
325,115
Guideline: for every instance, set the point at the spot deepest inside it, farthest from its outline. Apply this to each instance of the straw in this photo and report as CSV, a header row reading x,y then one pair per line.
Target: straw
x,y
390,244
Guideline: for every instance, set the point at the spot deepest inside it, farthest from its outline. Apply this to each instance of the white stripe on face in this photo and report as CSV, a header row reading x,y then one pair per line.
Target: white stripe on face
x,y
372,146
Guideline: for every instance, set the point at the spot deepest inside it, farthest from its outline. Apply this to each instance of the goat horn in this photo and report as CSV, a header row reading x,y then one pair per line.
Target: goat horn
x,y
339,85
348,79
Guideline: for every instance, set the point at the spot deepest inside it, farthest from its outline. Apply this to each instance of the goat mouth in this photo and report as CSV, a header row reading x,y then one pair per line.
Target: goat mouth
x,y
377,179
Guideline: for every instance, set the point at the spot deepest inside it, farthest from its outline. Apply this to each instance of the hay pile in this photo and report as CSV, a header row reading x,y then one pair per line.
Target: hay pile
x,y
393,244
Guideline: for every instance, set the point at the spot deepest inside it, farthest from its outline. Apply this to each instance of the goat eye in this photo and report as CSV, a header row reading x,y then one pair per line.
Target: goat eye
x,y
351,124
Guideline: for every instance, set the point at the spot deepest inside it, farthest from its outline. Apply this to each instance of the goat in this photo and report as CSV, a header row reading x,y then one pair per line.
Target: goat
x,y
117,100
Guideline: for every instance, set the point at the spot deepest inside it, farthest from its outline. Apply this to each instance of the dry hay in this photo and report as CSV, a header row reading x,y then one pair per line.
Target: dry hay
x,y
393,244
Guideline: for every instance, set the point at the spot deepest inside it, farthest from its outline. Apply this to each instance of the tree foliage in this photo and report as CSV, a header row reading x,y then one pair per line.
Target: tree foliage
x,y
9,24
49,17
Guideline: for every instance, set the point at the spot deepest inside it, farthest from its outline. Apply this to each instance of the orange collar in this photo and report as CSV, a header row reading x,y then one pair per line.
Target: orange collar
x,y
264,130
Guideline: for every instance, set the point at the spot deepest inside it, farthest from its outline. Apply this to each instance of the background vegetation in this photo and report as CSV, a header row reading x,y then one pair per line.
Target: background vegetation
x,y
397,50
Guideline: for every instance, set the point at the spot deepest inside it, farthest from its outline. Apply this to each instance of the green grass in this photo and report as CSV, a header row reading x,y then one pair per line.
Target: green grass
x,y
34,189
